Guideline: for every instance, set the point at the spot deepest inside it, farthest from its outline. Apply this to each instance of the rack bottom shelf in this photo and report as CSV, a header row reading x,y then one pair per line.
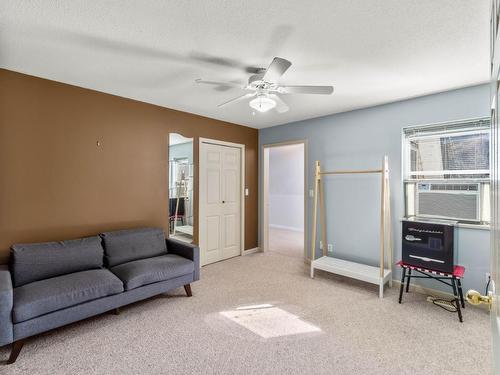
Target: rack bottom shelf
x,y
353,270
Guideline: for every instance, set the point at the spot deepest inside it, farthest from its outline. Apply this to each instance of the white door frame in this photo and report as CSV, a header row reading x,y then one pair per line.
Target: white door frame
x,y
264,229
201,208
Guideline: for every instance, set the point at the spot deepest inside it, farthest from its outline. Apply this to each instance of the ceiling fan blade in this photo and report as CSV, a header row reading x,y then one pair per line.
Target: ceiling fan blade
x,y
219,83
106,43
237,99
281,106
276,69
321,90
223,61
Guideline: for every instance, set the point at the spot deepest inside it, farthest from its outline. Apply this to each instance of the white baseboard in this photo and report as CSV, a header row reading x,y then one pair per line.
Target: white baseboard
x,y
293,229
251,251
423,290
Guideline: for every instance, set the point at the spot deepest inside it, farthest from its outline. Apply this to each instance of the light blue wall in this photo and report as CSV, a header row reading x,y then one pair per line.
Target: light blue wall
x,y
358,140
286,187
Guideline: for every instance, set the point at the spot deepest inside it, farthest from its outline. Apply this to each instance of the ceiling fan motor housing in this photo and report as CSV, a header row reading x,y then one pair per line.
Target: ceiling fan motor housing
x,y
256,81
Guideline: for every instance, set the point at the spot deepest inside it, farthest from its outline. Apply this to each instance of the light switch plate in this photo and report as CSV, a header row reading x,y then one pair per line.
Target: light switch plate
x,y
246,192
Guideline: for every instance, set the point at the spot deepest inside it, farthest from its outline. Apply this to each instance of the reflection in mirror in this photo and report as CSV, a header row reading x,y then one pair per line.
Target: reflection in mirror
x,y
181,176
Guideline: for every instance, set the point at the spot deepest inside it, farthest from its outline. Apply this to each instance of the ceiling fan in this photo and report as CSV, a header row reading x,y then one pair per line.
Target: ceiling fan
x,y
265,90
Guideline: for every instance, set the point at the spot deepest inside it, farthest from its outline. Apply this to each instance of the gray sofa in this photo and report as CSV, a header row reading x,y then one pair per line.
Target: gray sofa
x,y
49,285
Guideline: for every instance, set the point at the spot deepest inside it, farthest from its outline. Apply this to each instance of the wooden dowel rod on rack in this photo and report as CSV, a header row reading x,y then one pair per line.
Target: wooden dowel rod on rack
x,y
388,205
315,210
353,172
322,216
382,221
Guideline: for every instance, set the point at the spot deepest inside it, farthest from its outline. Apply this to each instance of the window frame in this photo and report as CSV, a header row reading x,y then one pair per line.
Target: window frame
x,y
482,125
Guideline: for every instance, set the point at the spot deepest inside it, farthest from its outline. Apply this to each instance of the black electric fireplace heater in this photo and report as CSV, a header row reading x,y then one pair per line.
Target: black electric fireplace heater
x,y
429,244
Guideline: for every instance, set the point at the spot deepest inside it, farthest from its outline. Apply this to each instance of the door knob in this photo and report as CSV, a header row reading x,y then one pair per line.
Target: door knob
x,y
476,298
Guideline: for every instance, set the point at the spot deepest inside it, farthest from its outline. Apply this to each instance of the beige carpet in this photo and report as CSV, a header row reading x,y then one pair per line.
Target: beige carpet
x,y
286,242
347,330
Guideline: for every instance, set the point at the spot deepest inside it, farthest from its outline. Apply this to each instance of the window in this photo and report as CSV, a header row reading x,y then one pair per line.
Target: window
x,y
447,170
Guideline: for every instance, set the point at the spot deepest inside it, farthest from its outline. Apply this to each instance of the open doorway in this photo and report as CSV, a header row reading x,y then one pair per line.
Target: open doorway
x,y
284,198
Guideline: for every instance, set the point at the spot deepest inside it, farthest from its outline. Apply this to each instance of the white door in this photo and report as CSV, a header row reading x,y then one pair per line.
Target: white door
x,y
495,184
220,202
494,293
493,296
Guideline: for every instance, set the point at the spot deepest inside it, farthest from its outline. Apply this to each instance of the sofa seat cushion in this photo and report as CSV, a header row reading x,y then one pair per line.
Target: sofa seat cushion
x,y
45,296
147,271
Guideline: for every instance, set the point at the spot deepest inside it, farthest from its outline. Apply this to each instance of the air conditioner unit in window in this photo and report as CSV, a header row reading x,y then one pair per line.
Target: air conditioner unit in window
x,y
458,201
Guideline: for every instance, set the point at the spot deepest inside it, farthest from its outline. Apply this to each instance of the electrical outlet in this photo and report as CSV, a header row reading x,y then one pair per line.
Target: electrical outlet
x,y
321,245
311,193
330,247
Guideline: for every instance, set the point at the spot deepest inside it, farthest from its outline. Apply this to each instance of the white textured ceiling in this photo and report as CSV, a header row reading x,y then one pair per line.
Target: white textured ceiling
x,y
372,51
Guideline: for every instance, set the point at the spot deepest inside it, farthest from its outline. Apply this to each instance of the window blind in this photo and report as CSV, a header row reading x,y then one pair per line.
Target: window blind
x,y
448,127
457,150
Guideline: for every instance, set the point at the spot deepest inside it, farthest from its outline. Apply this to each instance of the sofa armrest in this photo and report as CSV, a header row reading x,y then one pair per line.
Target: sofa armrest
x,y
186,250
6,304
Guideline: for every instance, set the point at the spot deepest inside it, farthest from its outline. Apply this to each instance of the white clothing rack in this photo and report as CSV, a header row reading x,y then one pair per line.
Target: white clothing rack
x,y
375,275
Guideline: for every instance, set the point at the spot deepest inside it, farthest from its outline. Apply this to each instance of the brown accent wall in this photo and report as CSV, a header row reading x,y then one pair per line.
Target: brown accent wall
x,y
57,183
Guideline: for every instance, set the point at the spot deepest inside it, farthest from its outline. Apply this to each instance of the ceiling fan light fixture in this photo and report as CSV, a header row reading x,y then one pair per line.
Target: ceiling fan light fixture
x,y
262,103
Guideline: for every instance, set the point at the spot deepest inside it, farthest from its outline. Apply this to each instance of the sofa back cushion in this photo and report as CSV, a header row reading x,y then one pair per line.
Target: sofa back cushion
x,y
39,261
127,245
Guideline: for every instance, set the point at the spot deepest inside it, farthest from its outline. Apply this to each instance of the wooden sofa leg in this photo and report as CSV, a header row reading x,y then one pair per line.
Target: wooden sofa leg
x,y
16,349
116,311
187,288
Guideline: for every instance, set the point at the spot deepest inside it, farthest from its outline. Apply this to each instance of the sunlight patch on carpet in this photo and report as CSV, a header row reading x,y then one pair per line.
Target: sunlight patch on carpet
x,y
268,321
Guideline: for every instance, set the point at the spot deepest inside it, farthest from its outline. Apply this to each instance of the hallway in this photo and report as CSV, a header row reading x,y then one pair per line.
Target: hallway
x,y
286,242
